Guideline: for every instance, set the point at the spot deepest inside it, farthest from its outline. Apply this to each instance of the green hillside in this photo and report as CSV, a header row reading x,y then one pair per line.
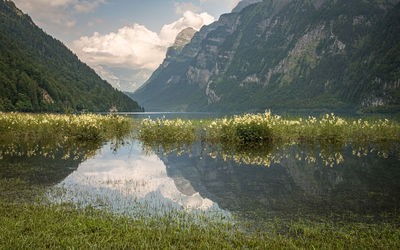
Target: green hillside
x,y
287,55
38,73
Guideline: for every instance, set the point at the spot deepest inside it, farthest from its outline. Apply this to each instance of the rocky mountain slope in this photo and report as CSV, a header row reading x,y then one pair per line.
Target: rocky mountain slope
x,y
39,73
286,54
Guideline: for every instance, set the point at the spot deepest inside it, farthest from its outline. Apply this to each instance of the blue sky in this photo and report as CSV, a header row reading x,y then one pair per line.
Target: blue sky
x,y
123,40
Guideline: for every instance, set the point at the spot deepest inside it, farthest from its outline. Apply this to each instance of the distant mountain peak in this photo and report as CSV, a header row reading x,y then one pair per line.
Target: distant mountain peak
x,y
243,4
184,37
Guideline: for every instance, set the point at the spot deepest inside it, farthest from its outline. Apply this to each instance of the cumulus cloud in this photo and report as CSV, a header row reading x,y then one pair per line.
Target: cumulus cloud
x,y
181,8
59,12
107,75
133,46
190,19
136,46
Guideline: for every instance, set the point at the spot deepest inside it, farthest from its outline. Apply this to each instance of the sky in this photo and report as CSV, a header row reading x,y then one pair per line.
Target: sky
x,y
123,40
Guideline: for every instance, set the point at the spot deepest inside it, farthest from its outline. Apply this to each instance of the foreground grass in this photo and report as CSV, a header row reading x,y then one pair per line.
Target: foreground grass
x,y
63,226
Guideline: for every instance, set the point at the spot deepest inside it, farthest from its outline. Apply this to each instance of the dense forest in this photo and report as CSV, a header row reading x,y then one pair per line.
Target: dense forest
x,y
38,73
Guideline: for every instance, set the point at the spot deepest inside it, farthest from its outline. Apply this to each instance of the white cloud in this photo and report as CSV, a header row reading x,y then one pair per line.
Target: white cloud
x,y
170,31
108,76
135,46
181,8
131,46
59,12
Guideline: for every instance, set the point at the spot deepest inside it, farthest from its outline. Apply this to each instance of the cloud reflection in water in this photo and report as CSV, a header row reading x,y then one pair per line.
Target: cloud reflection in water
x,y
119,179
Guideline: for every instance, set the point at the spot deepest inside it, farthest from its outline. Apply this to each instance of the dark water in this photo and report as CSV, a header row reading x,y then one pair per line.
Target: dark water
x,y
295,181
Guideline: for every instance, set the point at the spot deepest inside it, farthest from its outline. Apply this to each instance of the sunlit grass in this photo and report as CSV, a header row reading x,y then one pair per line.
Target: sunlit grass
x,y
169,134
78,136
261,128
253,128
256,138
78,127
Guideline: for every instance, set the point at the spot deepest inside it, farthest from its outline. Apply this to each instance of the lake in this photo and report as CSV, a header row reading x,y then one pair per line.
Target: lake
x,y
351,182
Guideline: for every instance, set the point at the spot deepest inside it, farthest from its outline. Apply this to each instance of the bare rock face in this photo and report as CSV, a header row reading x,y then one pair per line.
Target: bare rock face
x,y
284,54
184,37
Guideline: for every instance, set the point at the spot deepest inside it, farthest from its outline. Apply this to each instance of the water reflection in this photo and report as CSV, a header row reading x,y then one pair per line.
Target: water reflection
x,y
300,180
124,178
255,182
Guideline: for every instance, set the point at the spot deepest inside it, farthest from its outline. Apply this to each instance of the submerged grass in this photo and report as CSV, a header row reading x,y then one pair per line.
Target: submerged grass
x,y
265,128
78,136
64,226
77,127
238,130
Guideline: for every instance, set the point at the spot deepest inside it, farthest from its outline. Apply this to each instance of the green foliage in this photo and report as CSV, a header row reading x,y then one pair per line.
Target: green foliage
x,y
170,134
38,73
341,56
252,130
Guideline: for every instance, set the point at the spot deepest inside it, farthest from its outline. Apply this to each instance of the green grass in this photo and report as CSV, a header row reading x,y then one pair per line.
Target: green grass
x,y
86,127
79,136
63,226
247,138
264,128
255,138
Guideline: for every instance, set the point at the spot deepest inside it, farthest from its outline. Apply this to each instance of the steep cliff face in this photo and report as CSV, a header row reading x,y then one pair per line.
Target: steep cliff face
x,y
317,54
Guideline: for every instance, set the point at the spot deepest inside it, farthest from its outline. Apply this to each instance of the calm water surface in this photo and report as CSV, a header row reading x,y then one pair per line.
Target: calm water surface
x,y
291,182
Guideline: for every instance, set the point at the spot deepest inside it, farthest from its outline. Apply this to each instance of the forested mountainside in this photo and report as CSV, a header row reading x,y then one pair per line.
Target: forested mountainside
x,y
286,54
38,73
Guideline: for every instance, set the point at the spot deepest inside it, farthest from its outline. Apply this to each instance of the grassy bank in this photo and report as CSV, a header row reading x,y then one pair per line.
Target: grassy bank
x,y
245,129
78,136
77,127
63,226
261,128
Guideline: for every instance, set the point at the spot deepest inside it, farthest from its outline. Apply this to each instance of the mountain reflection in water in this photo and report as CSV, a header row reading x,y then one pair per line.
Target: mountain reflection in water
x,y
292,185
260,182
127,177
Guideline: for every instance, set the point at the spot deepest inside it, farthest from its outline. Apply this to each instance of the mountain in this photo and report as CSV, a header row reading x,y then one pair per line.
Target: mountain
x,y
243,4
286,54
39,73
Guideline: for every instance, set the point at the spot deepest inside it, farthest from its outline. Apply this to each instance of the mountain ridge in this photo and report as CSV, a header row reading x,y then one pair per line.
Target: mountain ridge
x,y
284,55
40,74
